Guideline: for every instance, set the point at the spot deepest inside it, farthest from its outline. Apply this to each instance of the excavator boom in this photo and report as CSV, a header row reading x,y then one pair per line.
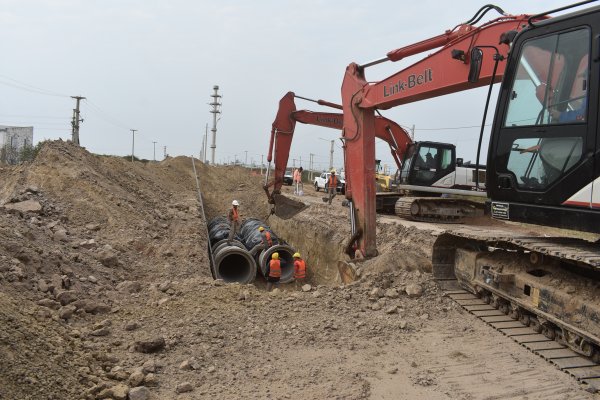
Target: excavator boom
x,y
445,71
281,139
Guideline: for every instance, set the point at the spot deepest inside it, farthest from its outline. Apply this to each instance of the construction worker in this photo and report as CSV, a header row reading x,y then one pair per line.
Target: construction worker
x,y
265,242
332,185
234,220
299,270
273,271
299,186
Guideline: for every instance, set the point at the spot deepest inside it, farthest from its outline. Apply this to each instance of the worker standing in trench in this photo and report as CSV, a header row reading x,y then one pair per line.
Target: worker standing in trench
x,y
273,272
299,270
234,220
265,242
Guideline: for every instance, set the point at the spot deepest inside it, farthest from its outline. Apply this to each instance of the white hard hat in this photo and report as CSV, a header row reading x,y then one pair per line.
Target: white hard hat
x,y
235,203
333,171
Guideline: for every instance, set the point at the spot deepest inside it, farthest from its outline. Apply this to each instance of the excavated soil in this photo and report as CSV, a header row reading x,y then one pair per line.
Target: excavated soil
x,y
106,293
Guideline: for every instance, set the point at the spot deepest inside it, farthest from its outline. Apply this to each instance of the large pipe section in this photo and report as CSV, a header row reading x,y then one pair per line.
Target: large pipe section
x,y
218,229
232,263
285,257
251,236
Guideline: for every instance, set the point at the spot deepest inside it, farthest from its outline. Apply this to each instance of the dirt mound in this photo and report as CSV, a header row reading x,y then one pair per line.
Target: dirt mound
x,y
78,233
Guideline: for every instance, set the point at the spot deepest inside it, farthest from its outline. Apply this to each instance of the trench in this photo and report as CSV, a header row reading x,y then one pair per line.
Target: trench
x,y
319,242
320,245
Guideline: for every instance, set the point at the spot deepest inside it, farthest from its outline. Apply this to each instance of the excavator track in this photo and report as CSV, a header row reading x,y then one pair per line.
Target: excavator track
x,y
437,209
581,368
540,291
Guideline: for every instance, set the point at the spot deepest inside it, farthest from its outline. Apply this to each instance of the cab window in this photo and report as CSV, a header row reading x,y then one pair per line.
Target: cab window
x,y
551,81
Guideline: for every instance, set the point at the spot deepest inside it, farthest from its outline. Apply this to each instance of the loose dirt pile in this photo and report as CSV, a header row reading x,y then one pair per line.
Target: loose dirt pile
x,y
105,293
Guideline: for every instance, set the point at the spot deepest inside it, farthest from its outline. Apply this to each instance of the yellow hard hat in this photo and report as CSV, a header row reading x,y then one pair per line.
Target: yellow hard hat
x,y
296,255
261,229
275,256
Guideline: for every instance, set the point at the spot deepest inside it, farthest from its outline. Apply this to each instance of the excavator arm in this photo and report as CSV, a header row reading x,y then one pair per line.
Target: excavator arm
x,y
448,70
282,132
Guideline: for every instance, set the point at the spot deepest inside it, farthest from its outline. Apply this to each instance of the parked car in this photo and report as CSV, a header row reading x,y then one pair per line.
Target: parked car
x,y
321,183
288,178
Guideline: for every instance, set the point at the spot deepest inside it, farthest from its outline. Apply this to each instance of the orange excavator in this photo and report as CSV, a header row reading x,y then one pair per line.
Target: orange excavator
x,y
442,173
447,70
281,139
543,164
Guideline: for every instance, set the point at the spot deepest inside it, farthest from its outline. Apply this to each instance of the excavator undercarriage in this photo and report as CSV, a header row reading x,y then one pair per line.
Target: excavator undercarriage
x,y
547,283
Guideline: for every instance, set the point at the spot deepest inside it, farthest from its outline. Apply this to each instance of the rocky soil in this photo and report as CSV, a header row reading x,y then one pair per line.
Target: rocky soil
x,y
105,293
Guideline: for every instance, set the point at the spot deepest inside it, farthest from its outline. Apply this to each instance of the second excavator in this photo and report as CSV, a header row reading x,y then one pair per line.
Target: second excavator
x,y
425,169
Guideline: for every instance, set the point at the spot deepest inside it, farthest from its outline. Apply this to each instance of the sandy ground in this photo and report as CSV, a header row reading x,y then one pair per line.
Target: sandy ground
x,y
105,292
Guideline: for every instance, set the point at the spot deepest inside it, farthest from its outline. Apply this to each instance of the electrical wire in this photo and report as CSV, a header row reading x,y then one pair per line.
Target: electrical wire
x,y
29,88
32,116
105,116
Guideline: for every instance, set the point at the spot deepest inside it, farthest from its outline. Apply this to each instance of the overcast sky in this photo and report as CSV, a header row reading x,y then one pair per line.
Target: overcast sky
x,y
151,65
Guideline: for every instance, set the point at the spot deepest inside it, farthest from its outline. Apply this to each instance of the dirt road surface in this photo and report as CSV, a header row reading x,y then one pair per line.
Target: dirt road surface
x,y
106,293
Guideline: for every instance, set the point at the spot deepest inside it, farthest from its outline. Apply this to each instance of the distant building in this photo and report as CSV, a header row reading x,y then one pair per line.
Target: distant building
x,y
12,141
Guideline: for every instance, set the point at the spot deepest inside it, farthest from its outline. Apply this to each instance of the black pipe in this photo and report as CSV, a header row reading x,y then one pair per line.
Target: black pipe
x,y
251,236
218,229
233,262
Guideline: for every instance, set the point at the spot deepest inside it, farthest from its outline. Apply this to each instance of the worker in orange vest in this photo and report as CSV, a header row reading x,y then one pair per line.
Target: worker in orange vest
x,y
265,242
273,272
298,185
234,220
332,185
299,270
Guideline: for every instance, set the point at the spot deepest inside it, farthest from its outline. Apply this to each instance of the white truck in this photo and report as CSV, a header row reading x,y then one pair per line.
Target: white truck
x,y
321,183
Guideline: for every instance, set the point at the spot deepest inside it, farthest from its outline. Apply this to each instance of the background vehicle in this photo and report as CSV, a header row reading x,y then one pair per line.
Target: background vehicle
x,y
321,182
288,177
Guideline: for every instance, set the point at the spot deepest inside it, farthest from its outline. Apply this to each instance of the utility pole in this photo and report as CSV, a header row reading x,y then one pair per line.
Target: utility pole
x,y
215,110
133,131
202,150
261,163
293,163
311,166
412,133
154,143
76,120
164,152
300,160
246,160
331,156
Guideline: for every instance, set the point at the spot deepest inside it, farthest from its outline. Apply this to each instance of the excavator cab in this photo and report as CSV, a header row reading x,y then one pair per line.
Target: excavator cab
x,y
544,152
425,163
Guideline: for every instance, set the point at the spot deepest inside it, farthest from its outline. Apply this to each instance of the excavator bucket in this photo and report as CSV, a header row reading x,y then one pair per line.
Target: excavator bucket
x,y
286,208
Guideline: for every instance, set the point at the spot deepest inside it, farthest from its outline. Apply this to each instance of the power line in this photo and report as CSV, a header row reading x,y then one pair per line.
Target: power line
x,y
32,116
29,88
104,115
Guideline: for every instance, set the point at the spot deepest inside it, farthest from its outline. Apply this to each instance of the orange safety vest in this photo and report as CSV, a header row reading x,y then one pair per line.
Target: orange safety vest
x,y
332,181
299,269
269,240
236,214
275,269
